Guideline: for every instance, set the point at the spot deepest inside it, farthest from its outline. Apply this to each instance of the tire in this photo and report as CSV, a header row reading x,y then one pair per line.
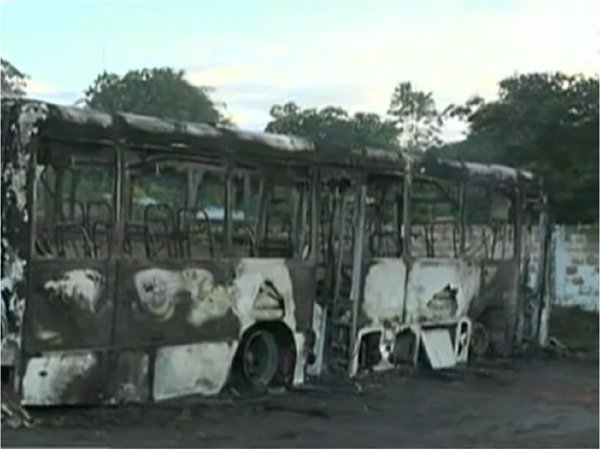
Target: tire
x,y
259,359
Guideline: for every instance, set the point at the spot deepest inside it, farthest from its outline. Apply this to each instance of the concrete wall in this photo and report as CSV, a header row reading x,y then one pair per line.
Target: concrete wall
x,y
576,266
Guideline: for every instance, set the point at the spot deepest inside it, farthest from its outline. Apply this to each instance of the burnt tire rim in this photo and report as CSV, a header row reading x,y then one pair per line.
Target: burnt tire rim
x,y
260,358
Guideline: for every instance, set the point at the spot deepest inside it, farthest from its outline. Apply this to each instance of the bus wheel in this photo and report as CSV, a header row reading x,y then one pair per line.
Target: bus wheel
x,y
259,358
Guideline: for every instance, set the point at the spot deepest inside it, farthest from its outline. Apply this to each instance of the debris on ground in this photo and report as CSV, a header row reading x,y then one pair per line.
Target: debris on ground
x,y
555,344
13,414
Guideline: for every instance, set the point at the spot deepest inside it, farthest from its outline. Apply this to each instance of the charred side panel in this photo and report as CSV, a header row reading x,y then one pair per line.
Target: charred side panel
x,y
86,377
65,378
175,303
304,291
70,305
19,126
495,306
129,377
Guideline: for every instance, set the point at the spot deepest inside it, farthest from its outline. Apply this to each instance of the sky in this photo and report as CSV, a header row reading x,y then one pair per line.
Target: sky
x,y
260,53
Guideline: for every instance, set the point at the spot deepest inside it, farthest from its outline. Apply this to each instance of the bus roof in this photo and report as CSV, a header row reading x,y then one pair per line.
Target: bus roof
x,y
86,125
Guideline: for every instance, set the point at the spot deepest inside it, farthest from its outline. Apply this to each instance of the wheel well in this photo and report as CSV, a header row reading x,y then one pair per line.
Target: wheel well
x,y
369,353
287,349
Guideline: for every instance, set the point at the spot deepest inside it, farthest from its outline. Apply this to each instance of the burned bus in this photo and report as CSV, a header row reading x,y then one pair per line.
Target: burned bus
x,y
145,259
428,260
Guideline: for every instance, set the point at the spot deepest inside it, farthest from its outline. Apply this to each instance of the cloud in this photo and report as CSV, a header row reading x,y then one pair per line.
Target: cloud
x,y
454,53
43,90
454,50
36,86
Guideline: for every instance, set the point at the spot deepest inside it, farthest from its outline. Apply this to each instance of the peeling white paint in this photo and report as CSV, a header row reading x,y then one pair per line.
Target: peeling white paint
x,y
384,290
251,275
438,294
14,173
192,369
430,277
82,288
47,377
12,274
31,115
160,290
261,290
249,296
208,301
156,289
319,327
16,170
13,270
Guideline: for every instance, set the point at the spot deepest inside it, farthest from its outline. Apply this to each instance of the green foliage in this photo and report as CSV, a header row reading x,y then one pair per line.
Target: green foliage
x,y
14,81
414,124
545,122
415,116
159,92
333,125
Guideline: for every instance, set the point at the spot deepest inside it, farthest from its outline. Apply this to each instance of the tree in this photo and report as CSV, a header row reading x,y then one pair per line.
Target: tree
x,y
333,125
160,92
546,122
14,81
416,118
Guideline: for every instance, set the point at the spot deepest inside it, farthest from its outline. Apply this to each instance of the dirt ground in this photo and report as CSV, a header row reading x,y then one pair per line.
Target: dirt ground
x,y
518,403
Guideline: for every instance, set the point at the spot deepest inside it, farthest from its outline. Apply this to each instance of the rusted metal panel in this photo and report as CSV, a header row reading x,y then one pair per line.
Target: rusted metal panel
x,y
70,305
